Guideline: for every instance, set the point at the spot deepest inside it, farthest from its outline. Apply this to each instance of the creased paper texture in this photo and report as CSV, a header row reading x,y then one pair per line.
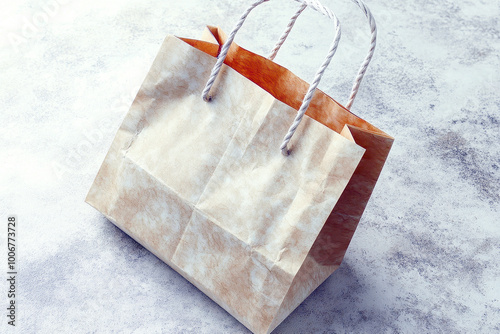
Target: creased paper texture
x,y
205,187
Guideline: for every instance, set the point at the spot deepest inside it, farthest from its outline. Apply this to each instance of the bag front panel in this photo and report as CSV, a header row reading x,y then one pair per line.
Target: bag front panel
x,y
275,204
179,138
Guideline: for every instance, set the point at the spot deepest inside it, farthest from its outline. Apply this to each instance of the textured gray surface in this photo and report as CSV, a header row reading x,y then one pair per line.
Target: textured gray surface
x,y
425,256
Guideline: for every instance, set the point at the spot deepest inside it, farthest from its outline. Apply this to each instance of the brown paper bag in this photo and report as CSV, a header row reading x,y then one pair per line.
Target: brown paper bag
x,y
204,187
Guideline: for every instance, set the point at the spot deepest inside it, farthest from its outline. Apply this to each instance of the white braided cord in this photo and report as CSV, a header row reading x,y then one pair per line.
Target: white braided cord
x,y
366,62
364,65
317,78
285,34
223,52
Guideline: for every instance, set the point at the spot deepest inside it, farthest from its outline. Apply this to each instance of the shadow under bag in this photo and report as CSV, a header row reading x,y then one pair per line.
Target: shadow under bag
x,y
204,187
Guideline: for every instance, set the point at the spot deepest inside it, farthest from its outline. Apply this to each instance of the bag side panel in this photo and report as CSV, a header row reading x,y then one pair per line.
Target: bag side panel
x,y
329,248
335,236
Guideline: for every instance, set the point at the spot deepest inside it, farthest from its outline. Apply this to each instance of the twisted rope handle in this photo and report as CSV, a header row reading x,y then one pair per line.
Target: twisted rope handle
x,y
285,33
317,78
366,62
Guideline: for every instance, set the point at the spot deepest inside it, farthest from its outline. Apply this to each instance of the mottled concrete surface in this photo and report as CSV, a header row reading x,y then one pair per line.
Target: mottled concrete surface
x,y
425,258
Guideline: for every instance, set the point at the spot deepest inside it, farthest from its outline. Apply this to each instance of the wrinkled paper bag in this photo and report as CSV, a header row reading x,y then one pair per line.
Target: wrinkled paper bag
x,y
205,188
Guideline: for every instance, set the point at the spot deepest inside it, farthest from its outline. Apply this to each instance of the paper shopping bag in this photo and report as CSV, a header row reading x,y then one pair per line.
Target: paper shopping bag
x,y
204,187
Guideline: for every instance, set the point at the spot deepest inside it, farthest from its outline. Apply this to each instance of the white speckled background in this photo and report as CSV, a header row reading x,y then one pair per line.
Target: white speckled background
x,y
425,257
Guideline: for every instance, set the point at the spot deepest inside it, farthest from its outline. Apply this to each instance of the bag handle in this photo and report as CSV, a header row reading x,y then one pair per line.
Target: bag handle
x,y
310,92
364,65
285,33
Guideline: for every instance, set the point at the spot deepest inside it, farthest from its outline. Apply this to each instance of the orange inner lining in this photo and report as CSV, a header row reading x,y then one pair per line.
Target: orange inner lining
x,y
283,84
